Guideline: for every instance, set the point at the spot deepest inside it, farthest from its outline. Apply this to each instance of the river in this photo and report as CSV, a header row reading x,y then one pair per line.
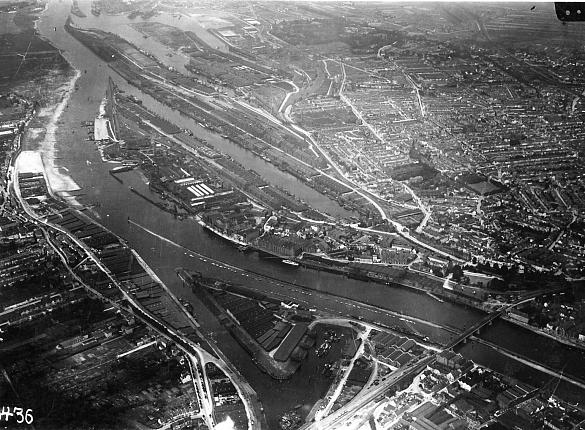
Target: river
x,y
114,203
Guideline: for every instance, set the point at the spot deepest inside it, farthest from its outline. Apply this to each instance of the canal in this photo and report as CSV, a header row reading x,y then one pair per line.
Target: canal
x,y
113,203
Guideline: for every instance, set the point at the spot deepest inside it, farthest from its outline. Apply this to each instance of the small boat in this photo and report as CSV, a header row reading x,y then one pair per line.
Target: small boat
x,y
290,262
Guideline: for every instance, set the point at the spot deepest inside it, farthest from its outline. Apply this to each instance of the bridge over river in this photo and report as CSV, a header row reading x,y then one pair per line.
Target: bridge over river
x,y
353,414
489,318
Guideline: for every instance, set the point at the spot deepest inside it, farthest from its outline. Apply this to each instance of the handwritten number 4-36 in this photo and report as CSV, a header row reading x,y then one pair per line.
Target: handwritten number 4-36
x,y
20,414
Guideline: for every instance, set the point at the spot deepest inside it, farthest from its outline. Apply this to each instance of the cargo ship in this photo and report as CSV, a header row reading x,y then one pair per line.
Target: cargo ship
x,y
124,168
229,237
290,262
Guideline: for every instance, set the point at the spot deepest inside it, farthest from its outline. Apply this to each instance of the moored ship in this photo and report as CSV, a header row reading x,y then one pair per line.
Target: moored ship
x,y
290,262
124,168
230,237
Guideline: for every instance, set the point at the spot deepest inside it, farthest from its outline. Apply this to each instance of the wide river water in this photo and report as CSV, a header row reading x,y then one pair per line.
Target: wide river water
x,y
114,203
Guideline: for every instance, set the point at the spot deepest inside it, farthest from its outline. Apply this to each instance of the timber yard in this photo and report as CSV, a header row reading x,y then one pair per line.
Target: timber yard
x,y
282,215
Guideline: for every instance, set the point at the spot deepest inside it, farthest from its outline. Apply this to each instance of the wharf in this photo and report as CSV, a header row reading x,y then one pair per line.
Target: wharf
x,y
401,278
260,357
225,236
100,131
159,205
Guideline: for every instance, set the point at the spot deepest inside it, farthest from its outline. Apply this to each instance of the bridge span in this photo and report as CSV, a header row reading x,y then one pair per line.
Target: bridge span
x,y
489,318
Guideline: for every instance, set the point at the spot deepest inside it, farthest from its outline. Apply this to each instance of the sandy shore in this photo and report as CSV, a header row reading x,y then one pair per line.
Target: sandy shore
x,y
36,21
60,182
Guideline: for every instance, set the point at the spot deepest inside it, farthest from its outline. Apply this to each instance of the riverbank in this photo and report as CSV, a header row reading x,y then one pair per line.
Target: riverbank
x,y
53,94
529,362
60,183
541,332
389,275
